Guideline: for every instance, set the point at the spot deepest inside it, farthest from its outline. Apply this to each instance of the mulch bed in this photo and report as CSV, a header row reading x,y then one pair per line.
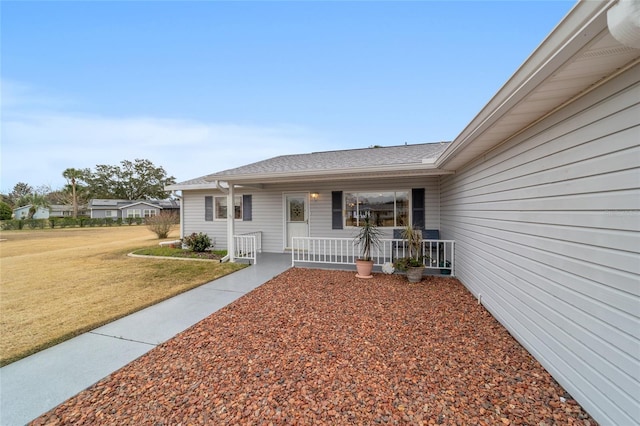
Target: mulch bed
x,y
323,347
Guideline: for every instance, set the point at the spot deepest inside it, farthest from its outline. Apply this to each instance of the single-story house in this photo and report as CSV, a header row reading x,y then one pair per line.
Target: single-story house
x,y
66,210
540,192
122,209
23,212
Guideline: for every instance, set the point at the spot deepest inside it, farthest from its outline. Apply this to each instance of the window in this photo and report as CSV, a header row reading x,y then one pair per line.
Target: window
x,y
133,213
387,209
149,212
208,208
221,207
109,213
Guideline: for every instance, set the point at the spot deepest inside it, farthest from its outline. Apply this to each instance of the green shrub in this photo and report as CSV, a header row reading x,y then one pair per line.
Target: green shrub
x,y
9,225
35,223
5,211
198,242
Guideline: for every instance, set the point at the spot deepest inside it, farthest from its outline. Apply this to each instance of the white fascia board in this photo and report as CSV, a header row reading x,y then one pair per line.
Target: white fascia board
x,y
180,187
206,186
414,167
256,180
583,22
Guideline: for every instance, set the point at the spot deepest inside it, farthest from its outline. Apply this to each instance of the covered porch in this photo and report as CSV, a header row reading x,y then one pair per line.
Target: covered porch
x,y
340,253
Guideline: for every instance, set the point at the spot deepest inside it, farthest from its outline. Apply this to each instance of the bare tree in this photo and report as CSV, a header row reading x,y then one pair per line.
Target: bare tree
x,y
162,224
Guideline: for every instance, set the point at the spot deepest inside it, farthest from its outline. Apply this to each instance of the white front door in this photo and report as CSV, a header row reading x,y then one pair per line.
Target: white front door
x,y
296,216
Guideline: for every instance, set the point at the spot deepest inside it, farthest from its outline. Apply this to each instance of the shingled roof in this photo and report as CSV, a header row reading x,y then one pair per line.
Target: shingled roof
x,y
328,162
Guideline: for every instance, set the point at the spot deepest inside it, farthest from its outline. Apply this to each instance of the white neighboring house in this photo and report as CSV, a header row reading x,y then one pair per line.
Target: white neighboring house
x,y
66,210
23,212
541,193
122,209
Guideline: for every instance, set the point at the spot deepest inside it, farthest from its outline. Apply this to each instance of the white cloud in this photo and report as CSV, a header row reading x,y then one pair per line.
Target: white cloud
x,y
37,146
17,95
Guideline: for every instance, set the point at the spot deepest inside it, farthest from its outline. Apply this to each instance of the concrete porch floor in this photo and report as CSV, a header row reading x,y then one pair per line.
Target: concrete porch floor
x,y
35,384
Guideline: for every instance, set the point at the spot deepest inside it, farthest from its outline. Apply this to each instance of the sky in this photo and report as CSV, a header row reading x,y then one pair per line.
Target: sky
x,y
199,87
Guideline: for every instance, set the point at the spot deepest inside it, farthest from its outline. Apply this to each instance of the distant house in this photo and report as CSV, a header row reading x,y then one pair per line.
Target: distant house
x,y
66,210
540,192
23,212
122,209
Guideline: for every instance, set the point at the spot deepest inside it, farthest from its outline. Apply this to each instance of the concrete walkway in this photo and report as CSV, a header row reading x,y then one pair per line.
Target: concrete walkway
x,y
40,382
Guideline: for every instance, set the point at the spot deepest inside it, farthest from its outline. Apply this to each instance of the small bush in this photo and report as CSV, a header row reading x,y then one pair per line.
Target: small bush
x,y
12,224
198,242
35,223
70,222
5,211
162,224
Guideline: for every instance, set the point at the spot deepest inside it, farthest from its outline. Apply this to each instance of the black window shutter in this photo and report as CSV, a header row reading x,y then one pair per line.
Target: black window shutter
x,y
208,208
336,210
417,207
246,208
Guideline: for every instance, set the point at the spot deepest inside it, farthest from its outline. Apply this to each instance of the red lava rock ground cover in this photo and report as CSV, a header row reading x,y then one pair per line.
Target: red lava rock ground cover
x,y
323,347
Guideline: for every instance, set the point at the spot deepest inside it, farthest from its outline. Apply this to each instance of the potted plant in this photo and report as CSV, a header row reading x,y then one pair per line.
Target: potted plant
x,y
368,238
413,264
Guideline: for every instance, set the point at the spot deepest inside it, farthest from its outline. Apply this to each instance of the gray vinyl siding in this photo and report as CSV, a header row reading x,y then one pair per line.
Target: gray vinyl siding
x,y
268,210
100,214
547,234
193,217
97,214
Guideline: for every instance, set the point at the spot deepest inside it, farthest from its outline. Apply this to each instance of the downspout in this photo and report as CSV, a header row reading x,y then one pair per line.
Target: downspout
x,y
221,188
623,20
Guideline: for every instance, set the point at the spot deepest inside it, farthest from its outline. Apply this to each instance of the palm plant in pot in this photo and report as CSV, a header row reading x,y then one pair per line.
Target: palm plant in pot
x,y
368,238
413,264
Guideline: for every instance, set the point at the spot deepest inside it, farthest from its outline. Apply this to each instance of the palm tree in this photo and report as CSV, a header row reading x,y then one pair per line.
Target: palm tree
x,y
72,175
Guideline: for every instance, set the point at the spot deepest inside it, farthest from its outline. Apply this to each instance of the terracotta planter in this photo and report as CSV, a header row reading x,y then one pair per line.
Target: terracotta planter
x,y
364,268
414,273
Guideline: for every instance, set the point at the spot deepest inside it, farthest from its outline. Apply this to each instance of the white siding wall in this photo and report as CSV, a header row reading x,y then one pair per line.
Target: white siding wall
x,y
547,232
268,215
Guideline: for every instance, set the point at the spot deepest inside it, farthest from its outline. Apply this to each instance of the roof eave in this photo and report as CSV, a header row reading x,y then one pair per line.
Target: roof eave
x,y
395,170
352,173
196,186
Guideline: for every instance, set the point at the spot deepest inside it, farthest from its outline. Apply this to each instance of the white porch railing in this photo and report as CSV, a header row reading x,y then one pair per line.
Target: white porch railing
x,y
247,246
439,254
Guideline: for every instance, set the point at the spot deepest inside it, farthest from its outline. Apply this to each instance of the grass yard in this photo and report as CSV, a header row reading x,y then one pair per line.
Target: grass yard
x,y
58,283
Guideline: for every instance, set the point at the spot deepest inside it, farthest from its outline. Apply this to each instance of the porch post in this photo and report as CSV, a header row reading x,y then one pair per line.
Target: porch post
x,y
181,199
231,214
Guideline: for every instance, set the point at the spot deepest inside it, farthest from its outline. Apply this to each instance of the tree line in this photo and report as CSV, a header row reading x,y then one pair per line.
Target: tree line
x,y
139,179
